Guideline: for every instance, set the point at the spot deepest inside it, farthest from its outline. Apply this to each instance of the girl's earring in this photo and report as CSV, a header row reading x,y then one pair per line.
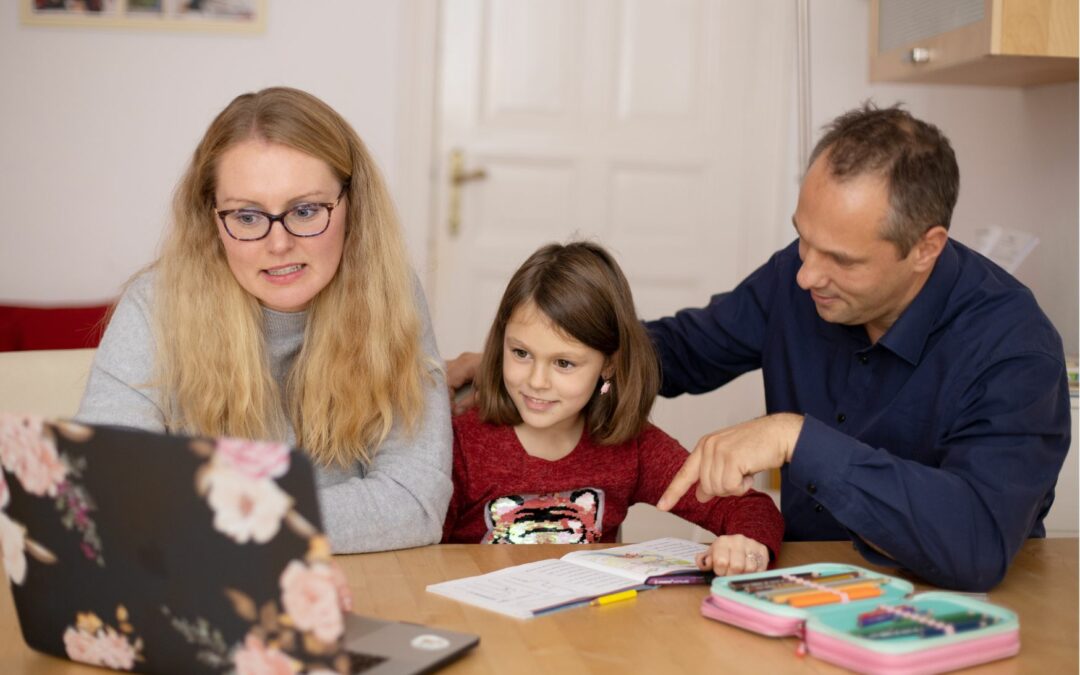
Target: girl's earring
x,y
605,387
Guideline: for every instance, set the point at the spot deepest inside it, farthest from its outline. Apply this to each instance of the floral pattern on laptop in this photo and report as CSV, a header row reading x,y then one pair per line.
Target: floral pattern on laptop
x,y
285,615
94,642
28,452
238,483
298,632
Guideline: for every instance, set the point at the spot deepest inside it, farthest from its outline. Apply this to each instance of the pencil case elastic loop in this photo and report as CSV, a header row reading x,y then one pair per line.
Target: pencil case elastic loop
x,y
817,587
946,628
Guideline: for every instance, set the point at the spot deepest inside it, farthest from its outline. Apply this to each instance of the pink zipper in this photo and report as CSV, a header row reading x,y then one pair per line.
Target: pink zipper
x,y
743,616
936,660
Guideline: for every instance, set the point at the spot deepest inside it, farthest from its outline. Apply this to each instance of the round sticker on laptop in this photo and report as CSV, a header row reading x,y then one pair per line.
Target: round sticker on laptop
x,y
430,643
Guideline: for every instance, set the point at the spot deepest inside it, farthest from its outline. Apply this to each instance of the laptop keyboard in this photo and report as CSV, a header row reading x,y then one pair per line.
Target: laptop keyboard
x,y
361,662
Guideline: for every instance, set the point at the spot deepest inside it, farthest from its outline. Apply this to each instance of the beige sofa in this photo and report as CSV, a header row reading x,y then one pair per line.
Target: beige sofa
x,y
48,382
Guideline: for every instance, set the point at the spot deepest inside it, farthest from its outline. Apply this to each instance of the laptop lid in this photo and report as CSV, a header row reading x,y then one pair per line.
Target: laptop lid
x,y
167,554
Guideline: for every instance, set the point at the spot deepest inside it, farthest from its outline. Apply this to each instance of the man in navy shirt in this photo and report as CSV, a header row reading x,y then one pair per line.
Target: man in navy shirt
x,y
916,394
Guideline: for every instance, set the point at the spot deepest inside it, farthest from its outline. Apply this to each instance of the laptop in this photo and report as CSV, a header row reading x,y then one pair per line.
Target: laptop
x,y
167,554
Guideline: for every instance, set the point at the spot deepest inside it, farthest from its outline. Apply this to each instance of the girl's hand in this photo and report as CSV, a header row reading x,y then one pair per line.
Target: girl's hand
x,y
734,554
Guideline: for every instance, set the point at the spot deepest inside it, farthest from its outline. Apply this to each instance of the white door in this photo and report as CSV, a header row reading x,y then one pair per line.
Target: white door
x,y
661,128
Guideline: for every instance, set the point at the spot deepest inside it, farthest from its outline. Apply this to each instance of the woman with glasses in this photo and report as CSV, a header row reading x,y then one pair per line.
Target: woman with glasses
x,y
282,307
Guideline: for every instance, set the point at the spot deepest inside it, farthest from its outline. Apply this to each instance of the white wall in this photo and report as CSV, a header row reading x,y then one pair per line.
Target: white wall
x,y
96,127
1017,150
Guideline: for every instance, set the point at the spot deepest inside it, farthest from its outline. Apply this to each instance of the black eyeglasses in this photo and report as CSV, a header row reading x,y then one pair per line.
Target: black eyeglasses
x,y
303,220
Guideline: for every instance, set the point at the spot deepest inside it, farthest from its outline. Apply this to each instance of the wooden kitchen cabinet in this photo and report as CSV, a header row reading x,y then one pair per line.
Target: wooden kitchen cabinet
x,y
982,42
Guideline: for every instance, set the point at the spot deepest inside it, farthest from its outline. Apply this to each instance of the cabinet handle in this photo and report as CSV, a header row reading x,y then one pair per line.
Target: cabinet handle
x,y
918,55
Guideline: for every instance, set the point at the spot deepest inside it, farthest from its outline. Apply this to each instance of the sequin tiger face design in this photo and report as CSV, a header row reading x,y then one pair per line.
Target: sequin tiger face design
x,y
572,517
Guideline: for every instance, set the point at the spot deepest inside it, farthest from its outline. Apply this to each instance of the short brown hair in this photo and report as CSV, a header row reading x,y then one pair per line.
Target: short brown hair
x,y
913,157
581,289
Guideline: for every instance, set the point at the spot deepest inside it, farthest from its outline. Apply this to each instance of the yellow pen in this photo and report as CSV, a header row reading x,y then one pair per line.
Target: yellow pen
x,y
614,597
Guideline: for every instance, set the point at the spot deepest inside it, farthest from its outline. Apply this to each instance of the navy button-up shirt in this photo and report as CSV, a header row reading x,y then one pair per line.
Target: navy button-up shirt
x,y
940,444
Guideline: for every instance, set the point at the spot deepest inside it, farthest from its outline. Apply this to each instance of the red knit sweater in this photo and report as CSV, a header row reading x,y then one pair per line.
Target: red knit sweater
x,y
504,495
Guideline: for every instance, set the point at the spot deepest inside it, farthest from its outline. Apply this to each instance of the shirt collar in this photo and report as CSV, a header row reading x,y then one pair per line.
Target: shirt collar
x,y
907,337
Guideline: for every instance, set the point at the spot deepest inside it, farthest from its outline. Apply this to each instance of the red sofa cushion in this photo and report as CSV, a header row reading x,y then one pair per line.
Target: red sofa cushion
x,y
23,328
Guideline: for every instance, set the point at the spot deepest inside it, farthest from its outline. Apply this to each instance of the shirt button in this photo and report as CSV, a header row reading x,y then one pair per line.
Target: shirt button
x,y
864,359
819,508
811,488
840,417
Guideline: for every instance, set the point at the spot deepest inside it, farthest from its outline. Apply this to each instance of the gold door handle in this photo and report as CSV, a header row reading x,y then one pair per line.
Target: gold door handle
x,y
458,177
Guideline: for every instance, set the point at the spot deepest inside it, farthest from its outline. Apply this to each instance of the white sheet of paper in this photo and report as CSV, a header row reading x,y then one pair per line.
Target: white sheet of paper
x,y
1006,247
523,590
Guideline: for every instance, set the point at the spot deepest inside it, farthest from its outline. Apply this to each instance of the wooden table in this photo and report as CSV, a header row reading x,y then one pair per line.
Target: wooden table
x,y
659,632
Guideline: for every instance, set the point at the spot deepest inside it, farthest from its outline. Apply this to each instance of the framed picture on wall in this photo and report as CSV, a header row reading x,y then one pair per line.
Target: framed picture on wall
x,y
238,16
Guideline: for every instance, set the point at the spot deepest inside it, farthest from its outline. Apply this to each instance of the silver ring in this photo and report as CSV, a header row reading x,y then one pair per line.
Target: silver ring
x,y
752,559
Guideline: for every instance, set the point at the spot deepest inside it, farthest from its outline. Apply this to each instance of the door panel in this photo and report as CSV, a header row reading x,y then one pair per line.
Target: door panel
x,y
664,129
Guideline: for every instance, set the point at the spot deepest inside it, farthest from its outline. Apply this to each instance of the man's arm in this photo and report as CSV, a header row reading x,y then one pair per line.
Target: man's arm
x,y
702,349
957,523
460,373
724,462
753,514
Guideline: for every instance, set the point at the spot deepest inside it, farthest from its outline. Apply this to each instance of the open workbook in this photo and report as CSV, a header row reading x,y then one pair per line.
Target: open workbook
x,y
537,588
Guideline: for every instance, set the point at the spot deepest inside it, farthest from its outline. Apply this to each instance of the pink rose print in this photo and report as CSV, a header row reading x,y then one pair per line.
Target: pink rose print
x,y
310,596
104,648
28,451
256,658
13,547
90,641
297,633
256,459
30,454
245,509
80,646
114,650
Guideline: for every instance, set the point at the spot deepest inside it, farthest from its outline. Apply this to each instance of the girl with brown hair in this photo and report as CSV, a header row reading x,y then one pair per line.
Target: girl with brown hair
x,y
560,445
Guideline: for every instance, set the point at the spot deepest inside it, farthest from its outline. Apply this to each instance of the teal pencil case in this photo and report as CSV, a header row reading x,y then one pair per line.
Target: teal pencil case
x,y
866,621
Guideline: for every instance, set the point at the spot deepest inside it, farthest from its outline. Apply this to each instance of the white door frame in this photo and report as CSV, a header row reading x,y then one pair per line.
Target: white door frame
x,y
414,179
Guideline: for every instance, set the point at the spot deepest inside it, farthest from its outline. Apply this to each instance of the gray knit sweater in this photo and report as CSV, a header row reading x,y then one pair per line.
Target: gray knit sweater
x,y
398,501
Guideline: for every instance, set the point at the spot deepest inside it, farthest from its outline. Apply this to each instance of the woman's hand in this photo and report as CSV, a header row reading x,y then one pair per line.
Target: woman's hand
x,y
460,373
734,554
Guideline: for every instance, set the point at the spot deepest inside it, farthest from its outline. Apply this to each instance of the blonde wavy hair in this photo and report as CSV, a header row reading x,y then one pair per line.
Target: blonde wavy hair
x,y
361,367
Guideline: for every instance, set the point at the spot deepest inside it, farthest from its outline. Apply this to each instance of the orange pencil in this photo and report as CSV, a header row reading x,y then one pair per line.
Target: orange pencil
x,y
784,597
814,598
